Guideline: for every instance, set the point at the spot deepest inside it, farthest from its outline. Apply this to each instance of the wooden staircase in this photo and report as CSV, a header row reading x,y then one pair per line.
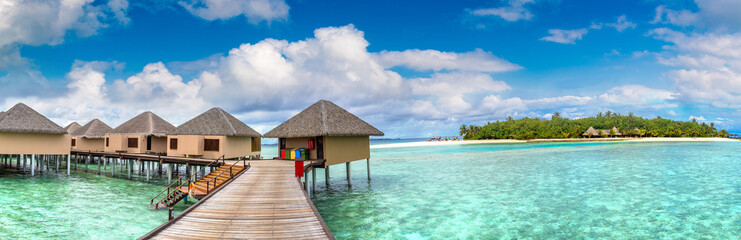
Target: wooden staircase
x,y
181,188
213,180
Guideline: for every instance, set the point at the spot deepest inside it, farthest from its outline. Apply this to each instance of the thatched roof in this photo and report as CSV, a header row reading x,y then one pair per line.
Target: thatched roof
x,y
590,132
215,122
615,130
93,129
146,123
22,119
72,127
323,118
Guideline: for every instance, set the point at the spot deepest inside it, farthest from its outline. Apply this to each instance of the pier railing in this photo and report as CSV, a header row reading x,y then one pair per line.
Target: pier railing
x,y
215,184
178,183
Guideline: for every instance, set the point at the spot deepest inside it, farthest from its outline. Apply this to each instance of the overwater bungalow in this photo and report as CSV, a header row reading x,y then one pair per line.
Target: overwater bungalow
x,y
90,137
72,127
25,131
213,134
328,132
145,133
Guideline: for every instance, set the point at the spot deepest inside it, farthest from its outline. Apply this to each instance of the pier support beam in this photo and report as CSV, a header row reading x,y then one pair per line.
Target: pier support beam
x,y
113,168
326,175
130,166
33,166
149,165
169,173
313,179
99,165
69,160
87,162
347,165
367,163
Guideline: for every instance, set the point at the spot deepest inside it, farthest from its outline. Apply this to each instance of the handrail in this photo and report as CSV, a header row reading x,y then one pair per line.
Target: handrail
x,y
166,189
182,183
209,164
231,175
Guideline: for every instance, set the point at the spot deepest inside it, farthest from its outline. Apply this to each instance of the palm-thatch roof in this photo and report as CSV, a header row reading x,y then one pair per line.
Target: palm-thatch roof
x,y
616,132
93,129
146,123
72,127
215,122
590,132
23,119
323,118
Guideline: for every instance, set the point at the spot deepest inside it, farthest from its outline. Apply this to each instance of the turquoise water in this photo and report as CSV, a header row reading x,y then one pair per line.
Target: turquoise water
x,y
81,206
483,191
537,191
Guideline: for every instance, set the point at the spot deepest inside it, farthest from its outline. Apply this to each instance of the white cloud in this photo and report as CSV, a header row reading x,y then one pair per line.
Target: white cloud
x,y
565,36
514,11
477,60
450,89
709,65
680,18
699,119
712,14
554,102
637,96
256,11
621,24
37,23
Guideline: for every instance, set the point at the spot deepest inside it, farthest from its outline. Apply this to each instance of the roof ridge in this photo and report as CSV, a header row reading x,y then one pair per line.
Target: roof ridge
x,y
223,114
151,122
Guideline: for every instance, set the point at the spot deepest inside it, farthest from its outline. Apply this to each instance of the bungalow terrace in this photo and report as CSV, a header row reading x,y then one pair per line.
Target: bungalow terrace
x,y
212,134
145,133
90,137
327,132
25,131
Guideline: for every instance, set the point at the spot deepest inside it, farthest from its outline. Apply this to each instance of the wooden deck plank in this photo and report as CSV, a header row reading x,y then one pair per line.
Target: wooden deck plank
x,y
266,202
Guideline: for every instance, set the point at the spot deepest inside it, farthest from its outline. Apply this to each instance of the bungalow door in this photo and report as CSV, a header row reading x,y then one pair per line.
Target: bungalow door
x,y
319,147
149,143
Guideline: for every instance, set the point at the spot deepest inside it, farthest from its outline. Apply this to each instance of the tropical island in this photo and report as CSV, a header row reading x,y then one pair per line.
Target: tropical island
x,y
606,124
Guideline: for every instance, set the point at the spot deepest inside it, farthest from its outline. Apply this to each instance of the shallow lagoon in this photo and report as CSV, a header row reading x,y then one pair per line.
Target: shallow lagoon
x,y
483,191
546,190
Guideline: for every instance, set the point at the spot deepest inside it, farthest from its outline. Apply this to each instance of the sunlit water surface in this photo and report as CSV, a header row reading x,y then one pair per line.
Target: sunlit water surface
x,y
485,191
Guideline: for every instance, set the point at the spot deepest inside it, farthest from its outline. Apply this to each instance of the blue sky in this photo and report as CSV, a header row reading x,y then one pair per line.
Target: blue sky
x,y
412,68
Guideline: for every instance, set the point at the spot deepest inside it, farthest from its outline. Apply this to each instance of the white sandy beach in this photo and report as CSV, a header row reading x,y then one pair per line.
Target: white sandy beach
x,y
510,141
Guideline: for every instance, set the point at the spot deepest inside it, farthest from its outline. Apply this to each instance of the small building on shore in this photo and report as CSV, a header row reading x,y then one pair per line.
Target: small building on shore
x,y
72,127
591,132
91,136
213,134
25,131
145,133
328,131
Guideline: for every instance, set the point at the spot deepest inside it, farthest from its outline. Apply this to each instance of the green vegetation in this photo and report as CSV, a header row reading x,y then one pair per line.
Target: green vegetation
x,y
558,127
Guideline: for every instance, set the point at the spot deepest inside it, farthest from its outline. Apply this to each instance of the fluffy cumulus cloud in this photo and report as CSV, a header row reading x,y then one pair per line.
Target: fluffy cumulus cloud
x,y
565,36
621,24
513,11
709,66
256,11
477,60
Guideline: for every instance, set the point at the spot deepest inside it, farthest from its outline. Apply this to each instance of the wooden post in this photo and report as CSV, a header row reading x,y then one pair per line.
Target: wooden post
x,y
98,165
367,162
69,160
326,175
347,165
87,162
148,167
24,162
131,165
113,168
56,159
169,172
33,166
18,161
313,179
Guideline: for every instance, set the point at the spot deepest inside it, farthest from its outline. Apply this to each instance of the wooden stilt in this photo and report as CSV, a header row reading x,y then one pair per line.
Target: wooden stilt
x,y
148,167
98,165
169,172
326,175
68,163
33,166
367,163
131,165
347,166
313,179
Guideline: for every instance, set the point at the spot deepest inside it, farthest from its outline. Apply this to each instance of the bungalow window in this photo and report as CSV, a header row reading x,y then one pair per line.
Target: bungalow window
x,y
256,144
107,140
211,145
133,142
173,143
74,142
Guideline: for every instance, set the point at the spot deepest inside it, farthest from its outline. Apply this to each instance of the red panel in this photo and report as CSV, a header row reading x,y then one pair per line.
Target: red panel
x,y
299,168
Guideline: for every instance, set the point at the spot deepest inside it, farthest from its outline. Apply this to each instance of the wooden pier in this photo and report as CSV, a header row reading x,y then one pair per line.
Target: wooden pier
x,y
265,202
